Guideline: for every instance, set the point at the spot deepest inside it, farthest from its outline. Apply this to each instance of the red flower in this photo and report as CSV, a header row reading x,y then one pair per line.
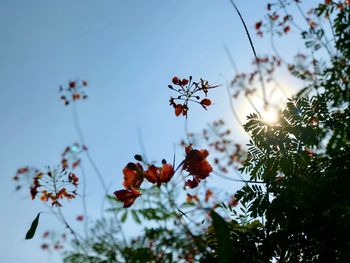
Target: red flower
x,y
184,82
208,194
178,109
196,165
234,202
176,80
188,93
205,103
159,175
133,176
286,29
72,178
72,84
44,246
192,183
22,170
258,25
128,197
33,192
274,17
46,234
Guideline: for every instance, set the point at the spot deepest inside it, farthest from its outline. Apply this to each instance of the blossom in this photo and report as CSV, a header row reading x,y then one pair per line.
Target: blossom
x,y
53,185
234,202
72,178
208,194
128,197
188,91
196,165
133,176
192,183
73,92
159,175
205,103
79,218
178,109
258,25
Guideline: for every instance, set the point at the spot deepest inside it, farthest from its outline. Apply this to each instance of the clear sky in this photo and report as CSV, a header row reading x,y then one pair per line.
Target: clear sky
x,y
128,51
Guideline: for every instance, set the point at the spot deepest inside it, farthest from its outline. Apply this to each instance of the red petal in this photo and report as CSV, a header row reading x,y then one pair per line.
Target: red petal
x,y
127,197
206,102
178,109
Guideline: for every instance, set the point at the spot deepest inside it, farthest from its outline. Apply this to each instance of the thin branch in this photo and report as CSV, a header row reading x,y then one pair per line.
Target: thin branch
x,y
253,49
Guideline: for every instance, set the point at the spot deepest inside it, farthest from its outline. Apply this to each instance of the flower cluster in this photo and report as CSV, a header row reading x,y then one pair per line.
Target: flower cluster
x,y
24,176
53,241
197,166
75,91
53,185
134,175
229,154
276,22
188,91
70,156
245,83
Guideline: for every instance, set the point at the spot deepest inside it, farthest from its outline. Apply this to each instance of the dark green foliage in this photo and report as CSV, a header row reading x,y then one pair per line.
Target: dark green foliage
x,y
295,207
301,168
224,248
31,232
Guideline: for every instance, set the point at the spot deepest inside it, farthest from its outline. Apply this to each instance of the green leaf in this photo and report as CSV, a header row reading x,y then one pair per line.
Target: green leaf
x,y
33,227
222,232
135,217
124,216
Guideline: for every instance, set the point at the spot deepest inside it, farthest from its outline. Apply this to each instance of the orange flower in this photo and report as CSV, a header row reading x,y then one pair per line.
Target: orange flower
x,y
52,178
133,176
159,175
208,194
33,191
188,92
196,165
192,198
128,197
192,183
76,96
178,109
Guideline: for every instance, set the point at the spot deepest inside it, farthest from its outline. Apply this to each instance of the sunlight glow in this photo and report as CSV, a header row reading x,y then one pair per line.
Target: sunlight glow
x,y
270,115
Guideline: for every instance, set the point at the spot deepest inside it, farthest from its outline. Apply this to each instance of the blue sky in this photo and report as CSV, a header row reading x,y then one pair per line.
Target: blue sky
x,y
128,51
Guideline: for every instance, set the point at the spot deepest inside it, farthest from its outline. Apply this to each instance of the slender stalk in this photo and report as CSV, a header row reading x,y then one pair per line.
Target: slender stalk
x,y
82,141
95,168
237,180
86,226
263,88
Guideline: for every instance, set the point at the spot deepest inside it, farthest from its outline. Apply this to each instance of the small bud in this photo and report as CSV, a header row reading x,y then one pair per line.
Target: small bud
x,y
132,166
138,157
